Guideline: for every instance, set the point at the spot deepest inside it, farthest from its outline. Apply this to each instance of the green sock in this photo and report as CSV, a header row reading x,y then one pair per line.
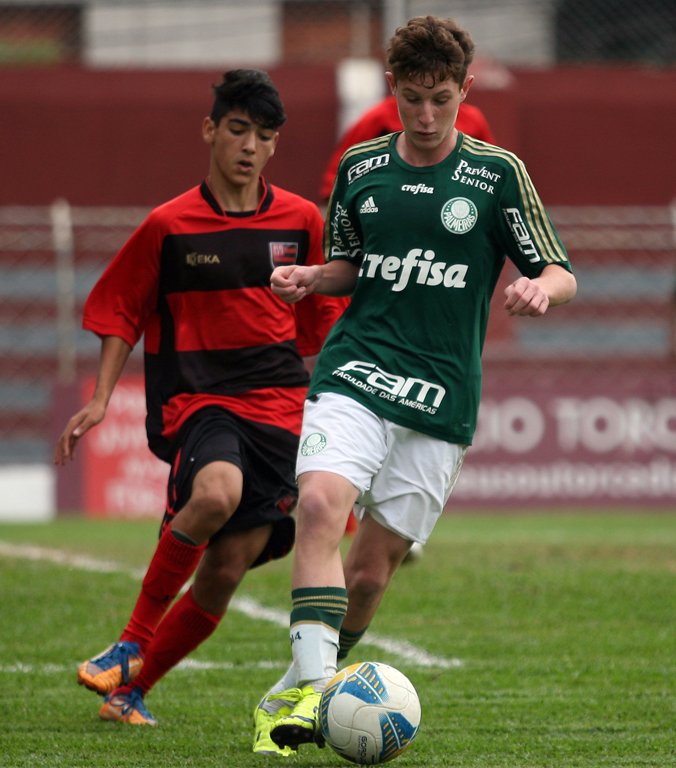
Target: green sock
x,y
316,616
326,605
348,640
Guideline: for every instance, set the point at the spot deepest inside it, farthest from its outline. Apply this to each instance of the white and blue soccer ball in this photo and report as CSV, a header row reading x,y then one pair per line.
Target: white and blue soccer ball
x,y
369,713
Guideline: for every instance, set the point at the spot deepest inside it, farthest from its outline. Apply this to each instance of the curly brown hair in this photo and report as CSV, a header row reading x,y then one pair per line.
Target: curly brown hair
x,y
429,49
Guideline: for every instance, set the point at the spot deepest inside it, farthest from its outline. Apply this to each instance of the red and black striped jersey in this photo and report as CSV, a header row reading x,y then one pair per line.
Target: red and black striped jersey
x,y
195,282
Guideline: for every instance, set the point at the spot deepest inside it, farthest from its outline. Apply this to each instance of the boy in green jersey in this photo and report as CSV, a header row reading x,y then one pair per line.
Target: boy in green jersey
x,y
418,228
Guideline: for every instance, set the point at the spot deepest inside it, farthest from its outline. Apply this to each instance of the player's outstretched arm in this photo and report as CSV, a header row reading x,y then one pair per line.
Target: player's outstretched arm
x,y
532,297
114,355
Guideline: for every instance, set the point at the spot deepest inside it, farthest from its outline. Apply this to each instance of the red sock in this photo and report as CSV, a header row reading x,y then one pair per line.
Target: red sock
x,y
123,690
180,632
172,565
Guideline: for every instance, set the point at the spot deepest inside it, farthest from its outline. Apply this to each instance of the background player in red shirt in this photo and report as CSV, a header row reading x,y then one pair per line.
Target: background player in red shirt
x,y
225,384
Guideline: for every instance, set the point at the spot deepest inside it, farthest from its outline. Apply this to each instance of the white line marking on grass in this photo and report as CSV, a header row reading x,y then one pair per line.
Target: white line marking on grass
x,y
245,605
401,648
30,669
187,665
59,557
410,652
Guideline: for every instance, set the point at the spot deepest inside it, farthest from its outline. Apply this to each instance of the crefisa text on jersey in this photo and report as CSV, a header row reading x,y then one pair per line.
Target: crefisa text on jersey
x,y
417,188
399,271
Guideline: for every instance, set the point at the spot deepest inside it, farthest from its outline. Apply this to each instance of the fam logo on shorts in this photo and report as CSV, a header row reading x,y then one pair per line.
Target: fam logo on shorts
x,y
314,443
459,215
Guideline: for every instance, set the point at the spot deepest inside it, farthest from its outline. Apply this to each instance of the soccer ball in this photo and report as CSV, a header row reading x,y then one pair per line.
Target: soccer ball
x,y
369,713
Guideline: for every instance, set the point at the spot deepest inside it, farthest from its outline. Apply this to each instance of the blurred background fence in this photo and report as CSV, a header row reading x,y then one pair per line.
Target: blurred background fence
x,y
101,104
269,32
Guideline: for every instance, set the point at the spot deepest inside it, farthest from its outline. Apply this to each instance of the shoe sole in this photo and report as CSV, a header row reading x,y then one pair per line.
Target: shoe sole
x,y
111,714
291,736
281,752
128,721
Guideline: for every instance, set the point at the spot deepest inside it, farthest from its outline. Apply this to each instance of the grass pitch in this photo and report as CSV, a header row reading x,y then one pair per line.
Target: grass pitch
x,y
545,640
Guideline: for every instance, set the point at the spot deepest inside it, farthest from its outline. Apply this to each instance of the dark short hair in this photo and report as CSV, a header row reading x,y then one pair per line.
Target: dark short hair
x,y
428,49
252,91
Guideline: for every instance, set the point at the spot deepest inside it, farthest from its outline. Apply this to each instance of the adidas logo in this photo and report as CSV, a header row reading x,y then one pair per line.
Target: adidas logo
x,y
369,206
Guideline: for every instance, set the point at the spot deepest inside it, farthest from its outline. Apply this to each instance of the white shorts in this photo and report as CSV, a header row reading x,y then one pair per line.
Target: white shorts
x,y
404,478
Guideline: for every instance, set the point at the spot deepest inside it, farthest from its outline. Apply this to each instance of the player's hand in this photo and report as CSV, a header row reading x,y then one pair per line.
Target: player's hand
x,y
91,415
292,283
526,297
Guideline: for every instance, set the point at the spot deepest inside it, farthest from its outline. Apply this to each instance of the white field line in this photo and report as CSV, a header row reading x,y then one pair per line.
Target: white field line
x,y
185,665
404,650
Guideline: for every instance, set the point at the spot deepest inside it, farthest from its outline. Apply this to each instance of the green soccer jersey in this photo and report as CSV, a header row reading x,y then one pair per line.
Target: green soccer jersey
x,y
430,243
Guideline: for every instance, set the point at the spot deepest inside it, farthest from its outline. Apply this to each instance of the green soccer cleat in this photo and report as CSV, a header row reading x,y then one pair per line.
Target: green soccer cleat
x,y
126,708
263,723
300,725
117,665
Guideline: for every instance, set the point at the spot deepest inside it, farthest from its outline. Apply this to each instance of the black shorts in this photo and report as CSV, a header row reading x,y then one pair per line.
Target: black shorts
x,y
267,457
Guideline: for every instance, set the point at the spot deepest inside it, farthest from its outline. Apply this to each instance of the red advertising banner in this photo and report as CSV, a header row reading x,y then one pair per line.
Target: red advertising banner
x,y
573,435
121,477
548,435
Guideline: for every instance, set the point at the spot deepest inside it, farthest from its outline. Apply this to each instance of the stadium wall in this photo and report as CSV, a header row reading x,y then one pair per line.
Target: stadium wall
x,y
589,135
134,137
561,439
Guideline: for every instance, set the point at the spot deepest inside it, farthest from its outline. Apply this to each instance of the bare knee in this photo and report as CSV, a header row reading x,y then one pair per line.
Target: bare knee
x,y
324,506
366,584
213,506
216,494
314,509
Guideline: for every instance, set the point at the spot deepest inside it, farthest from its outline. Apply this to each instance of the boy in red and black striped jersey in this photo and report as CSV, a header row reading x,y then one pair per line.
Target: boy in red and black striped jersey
x,y
225,383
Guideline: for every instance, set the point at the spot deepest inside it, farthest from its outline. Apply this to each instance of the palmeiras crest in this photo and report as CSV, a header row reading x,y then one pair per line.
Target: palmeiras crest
x,y
283,254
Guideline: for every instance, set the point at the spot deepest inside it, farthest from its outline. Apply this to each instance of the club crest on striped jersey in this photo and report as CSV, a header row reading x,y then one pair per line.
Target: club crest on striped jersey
x,y
283,254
